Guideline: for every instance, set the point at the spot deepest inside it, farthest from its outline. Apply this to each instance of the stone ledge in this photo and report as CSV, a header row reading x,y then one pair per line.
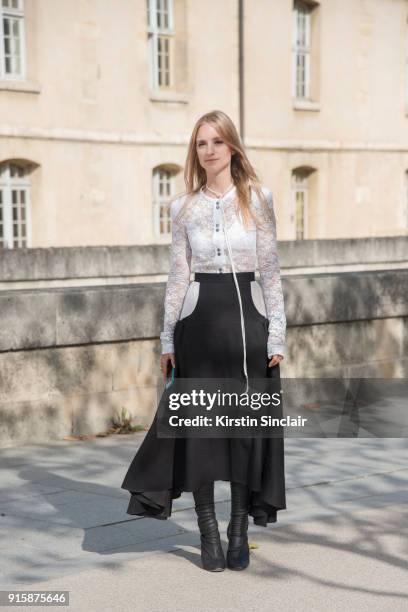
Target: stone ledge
x,y
43,318
20,86
62,263
306,105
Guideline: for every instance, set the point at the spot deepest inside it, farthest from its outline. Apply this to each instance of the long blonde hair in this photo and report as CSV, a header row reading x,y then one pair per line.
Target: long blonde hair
x,y
243,174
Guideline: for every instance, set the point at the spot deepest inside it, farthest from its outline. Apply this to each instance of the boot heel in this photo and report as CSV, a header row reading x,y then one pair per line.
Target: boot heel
x,y
238,552
212,554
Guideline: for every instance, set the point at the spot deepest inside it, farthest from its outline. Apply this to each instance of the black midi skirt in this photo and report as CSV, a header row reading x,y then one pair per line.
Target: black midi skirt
x,y
208,344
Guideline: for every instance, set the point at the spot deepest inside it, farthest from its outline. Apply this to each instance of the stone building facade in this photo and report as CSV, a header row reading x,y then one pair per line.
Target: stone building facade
x,y
98,99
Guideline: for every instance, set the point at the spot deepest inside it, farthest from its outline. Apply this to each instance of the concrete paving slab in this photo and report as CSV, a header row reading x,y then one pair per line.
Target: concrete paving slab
x,y
349,488
83,514
66,542
355,561
24,569
29,491
62,513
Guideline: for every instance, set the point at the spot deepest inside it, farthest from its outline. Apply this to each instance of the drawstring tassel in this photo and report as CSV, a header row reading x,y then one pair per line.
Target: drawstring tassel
x,y
239,297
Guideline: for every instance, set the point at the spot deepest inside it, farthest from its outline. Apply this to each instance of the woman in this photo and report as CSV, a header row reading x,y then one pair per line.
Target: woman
x,y
224,324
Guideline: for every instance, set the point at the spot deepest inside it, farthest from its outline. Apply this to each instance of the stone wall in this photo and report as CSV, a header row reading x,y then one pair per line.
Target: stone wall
x,y
70,357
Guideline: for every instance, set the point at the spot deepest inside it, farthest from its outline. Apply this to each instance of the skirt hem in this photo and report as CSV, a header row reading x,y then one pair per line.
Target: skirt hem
x,y
159,504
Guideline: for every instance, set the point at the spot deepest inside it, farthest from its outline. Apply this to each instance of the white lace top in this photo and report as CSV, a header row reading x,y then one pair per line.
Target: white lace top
x,y
199,245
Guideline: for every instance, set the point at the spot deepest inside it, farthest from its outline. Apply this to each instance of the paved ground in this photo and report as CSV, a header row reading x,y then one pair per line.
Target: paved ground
x,y
341,544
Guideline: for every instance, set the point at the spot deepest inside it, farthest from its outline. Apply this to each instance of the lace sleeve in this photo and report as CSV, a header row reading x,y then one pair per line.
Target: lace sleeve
x,y
269,270
178,279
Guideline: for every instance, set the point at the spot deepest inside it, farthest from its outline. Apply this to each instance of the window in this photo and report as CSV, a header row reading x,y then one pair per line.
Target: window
x,y
405,215
301,189
406,71
12,39
160,22
301,50
14,206
300,193
163,190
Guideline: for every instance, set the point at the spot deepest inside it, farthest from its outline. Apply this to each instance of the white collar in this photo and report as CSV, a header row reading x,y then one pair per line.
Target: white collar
x,y
227,196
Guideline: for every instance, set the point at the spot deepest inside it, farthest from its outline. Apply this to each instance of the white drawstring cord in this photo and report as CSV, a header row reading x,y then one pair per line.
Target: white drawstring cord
x,y
239,296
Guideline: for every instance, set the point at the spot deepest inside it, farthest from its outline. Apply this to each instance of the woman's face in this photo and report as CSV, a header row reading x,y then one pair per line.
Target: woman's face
x,y
213,154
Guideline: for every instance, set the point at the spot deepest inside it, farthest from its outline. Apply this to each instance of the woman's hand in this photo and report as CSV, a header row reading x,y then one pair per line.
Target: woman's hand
x,y
275,359
166,361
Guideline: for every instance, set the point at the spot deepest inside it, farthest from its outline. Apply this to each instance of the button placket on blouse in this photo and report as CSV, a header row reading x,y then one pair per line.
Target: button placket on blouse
x,y
219,255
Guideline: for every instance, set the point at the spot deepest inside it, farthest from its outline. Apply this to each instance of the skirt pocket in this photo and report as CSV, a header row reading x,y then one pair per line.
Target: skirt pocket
x,y
257,300
190,300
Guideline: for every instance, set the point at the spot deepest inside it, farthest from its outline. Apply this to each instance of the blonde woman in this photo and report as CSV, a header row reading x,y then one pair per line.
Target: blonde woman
x,y
222,324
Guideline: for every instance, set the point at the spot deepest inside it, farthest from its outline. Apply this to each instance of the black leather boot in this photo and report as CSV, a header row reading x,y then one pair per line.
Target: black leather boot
x,y
238,549
212,554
